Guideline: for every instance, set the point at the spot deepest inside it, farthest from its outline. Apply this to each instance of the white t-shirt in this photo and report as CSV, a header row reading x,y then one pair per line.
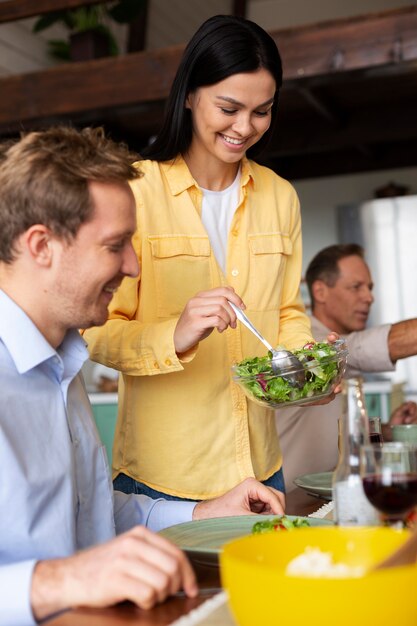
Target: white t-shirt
x,y
217,212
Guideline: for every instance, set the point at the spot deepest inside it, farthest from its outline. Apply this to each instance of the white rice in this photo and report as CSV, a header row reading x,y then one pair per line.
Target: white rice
x,y
314,563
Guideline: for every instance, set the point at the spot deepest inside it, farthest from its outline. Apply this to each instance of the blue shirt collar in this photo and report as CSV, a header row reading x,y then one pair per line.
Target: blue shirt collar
x,y
26,344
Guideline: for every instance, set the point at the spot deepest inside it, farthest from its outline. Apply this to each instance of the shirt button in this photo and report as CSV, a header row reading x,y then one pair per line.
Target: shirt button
x,y
235,272
168,362
234,233
156,365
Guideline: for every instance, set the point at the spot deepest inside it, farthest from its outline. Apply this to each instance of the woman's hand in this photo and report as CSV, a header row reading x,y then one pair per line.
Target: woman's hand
x,y
202,314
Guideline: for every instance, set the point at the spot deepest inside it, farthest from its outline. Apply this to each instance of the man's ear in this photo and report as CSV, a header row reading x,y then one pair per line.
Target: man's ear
x,y
37,241
319,290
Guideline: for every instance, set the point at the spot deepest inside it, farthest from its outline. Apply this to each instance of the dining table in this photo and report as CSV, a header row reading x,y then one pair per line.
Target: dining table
x,y
298,502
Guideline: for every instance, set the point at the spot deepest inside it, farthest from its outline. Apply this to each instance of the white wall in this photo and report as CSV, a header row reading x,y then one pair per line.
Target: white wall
x,y
319,198
174,22
21,50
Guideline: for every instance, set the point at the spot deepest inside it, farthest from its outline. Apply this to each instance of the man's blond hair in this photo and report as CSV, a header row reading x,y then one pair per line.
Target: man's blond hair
x,y
44,179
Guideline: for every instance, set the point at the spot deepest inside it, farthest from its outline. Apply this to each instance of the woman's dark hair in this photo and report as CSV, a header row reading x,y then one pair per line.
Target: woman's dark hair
x,y
223,45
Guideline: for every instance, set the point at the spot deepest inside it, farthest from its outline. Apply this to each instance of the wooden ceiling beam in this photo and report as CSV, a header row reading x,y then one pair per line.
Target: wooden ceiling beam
x,y
141,77
11,10
365,150
320,106
345,162
74,88
349,44
367,128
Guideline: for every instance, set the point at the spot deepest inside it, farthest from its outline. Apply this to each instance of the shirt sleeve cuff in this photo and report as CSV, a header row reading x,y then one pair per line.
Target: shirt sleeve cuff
x,y
156,347
15,591
166,513
187,357
368,351
132,509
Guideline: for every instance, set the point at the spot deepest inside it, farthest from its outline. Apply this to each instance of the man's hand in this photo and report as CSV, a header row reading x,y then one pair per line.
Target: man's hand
x,y
202,314
138,566
405,414
332,337
248,497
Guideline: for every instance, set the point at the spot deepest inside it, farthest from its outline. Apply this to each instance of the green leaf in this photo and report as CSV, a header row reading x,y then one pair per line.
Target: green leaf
x,y
59,49
87,18
272,525
45,21
279,390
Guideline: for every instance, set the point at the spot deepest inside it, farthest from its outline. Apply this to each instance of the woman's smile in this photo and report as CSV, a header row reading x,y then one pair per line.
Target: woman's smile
x,y
230,116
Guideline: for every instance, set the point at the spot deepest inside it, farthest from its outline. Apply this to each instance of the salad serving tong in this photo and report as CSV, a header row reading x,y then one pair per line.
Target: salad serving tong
x,y
283,362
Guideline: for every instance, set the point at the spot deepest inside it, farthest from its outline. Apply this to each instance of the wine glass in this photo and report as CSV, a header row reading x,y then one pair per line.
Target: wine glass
x,y
375,429
389,478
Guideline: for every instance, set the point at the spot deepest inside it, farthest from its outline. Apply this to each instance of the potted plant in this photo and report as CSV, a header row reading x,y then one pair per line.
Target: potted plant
x,y
89,35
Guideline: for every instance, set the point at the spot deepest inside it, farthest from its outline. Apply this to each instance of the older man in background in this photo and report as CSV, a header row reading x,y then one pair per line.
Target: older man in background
x,y
340,287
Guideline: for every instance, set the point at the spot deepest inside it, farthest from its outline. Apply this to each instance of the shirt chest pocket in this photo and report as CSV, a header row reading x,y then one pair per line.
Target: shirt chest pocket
x,y
268,255
181,269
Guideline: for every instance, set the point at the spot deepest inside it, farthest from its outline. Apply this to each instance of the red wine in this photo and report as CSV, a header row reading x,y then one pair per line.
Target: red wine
x,y
375,438
394,498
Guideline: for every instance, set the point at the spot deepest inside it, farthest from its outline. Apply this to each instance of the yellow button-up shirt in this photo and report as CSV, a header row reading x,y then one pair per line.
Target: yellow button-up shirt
x,y
184,427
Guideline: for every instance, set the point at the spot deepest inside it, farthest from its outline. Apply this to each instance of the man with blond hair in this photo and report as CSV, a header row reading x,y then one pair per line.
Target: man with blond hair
x,y
67,216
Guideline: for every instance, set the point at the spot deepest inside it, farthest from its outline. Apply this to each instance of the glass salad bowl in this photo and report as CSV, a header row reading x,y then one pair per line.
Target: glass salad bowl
x,y
323,365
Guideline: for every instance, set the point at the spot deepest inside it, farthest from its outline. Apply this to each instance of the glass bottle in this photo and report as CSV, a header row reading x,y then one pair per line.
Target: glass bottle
x,y
351,506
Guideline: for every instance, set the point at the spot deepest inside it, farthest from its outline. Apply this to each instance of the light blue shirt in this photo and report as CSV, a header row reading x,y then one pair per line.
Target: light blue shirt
x,y
56,495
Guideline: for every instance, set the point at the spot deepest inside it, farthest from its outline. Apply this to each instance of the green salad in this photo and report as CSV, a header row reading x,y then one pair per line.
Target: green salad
x,y
322,369
279,523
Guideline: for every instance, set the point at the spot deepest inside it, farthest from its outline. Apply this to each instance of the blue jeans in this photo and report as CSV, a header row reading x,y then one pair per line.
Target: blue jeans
x,y
129,485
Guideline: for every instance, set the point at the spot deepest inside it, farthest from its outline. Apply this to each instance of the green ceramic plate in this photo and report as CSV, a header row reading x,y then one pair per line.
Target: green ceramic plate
x,y
319,485
203,539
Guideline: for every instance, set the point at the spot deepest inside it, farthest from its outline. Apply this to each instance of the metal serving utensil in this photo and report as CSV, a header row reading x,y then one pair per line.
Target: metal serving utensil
x,y
281,359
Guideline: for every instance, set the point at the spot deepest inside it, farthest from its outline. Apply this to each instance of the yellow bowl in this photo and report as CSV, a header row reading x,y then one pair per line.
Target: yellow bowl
x,y
253,572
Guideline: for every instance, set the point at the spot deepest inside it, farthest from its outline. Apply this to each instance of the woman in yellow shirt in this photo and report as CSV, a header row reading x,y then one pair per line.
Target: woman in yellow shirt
x,y
212,226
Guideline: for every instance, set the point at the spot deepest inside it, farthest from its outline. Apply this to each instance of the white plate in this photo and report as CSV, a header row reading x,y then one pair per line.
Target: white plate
x,y
204,539
319,485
